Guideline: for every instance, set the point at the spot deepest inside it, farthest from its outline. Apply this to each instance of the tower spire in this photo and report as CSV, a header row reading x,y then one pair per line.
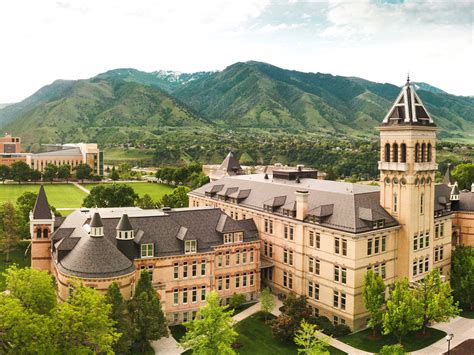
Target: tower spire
x,y
41,209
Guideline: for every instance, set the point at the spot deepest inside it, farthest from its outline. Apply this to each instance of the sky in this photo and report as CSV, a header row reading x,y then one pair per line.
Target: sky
x,y
42,41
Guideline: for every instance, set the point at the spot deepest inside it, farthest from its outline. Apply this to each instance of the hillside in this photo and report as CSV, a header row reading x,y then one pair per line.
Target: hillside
x,y
255,94
106,111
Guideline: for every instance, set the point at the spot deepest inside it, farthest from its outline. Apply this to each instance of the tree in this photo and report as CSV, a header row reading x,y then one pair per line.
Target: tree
x,y
403,312
82,323
50,172
462,276
146,202
64,172
374,298
83,171
178,198
267,301
111,195
120,315
5,173
464,175
309,340
211,332
9,236
436,298
396,349
237,300
35,175
33,288
148,320
114,175
20,171
295,309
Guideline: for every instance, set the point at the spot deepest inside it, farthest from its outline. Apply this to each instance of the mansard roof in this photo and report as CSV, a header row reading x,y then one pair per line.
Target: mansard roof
x,y
41,209
408,109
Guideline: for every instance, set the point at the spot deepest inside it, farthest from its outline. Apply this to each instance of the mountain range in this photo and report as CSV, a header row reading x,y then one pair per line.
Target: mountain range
x,y
128,105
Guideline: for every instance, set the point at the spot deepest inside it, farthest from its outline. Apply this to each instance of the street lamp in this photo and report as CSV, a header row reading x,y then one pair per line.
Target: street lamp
x,y
448,338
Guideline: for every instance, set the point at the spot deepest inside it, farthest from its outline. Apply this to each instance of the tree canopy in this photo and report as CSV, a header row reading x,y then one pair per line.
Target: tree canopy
x,y
111,195
462,276
374,298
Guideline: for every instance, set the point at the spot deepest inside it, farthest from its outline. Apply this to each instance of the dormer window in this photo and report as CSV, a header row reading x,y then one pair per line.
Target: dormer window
x,y
378,224
190,246
228,238
238,237
147,250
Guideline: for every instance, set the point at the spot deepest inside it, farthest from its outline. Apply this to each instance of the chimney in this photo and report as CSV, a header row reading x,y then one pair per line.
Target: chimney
x,y
301,204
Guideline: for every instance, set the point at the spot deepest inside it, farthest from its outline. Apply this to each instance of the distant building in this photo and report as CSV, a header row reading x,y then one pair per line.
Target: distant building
x,y
188,252
60,154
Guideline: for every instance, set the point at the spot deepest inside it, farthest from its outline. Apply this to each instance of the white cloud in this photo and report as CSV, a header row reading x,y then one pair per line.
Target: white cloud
x,y
269,28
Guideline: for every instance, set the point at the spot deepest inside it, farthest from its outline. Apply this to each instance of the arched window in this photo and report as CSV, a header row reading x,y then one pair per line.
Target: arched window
x,y
387,152
45,233
417,152
423,152
403,157
395,152
428,156
38,233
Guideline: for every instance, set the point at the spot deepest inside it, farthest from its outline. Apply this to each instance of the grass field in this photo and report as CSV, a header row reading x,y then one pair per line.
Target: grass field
x,y
411,342
59,195
156,191
113,155
17,257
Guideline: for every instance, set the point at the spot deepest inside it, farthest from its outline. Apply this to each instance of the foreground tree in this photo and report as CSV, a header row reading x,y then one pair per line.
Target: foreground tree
x,y
33,288
83,172
295,309
403,311
120,316
82,323
20,171
396,349
147,318
267,301
374,298
310,341
211,332
436,299
5,173
9,236
146,202
111,195
178,198
462,276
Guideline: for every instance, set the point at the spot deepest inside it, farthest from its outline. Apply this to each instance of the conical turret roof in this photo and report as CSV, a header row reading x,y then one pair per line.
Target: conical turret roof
x,y
124,223
448,178
96,220
41,209
408,109
230,164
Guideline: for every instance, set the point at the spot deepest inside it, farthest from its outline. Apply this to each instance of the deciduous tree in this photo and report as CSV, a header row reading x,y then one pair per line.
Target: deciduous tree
x,y
178,198
310,340
267,301
9,236
5,173
111,195
464,175
50,172
83,172
20,171
374,298
211,332
64,172
462,276
295,309
146,202
119,314
403,312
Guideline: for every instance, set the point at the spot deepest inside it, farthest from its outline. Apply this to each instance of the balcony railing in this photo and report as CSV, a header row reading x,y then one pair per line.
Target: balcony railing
x,y
393,166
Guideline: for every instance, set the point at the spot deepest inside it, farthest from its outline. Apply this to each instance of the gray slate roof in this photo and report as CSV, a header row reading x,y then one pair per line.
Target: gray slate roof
x,y
124,224
41,209
66,152
337,202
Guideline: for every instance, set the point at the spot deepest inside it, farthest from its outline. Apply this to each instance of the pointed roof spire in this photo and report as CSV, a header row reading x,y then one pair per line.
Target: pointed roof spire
x,y
448,178
96,221
408,109
41,209
230,164
124,223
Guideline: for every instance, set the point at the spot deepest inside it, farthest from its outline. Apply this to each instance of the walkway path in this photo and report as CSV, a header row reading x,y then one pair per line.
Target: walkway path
x,y
462,328
80,187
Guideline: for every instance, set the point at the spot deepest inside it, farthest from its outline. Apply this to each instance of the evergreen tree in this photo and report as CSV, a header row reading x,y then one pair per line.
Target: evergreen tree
x,y
9,236
119,314
148,320
403,312
114,175
374,298
211,332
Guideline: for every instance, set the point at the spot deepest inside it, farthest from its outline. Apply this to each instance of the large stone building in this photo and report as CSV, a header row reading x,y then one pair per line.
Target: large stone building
x,y
187,251
319,237
61,154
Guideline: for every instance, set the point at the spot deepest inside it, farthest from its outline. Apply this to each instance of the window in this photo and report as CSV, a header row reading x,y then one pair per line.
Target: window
x,y
316,291
384,243
437,231
343,275
311,239
147,250
251,255
265,248
237,281
317,267
252,279
414,267
288,256
336,245
344,247
270,250
395,152
190,246
311,265
288,232
420,266
422,202
421,241
45,233
417,152
227,282
219,283
336,273
244,280
237,257
318,240
219,260
176,271
427,239
287,280
203,293
194,269
343,300
415,242
441,230
185,270
268,226
203,267
193,315
403,157
175,296
244,256
395,202
228,238
227,258
441,252
369,246
185,295
310,289
38,233
290,259
335,299
185,316
376,245
194,295
427,262
175,317
387,152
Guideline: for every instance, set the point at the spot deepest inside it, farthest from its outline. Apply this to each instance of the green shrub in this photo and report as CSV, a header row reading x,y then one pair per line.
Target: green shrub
x,y
325,325
340,330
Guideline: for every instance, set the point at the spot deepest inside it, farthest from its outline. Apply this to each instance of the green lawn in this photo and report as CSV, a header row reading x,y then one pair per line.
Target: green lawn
x,y
17,257
156,191
59,195
411,342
